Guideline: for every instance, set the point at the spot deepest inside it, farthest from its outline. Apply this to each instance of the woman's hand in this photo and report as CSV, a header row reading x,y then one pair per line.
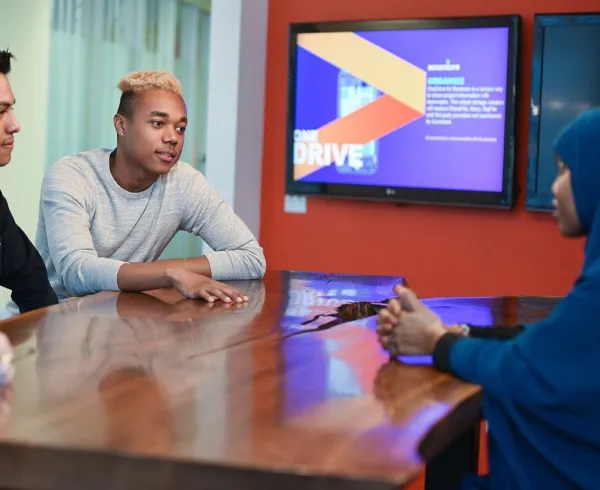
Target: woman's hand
x,y
406,326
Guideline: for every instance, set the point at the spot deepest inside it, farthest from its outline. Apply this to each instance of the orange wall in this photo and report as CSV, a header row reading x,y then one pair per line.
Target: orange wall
x,y
442,251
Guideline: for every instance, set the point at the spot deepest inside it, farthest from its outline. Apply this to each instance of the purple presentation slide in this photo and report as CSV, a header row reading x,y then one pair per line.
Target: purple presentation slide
x,y
455,141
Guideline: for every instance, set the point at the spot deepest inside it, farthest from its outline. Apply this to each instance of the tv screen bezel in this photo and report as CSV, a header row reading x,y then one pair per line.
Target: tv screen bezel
x,y
534,199
503,199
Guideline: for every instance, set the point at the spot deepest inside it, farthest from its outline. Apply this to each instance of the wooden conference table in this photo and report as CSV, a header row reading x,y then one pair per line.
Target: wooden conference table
x,y
149,391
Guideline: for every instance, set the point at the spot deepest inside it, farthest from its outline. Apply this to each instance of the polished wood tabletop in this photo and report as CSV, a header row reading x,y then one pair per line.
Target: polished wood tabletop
x,y
150,391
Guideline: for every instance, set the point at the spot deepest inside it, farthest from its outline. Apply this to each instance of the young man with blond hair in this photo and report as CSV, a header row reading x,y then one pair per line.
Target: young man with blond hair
x,y
107,215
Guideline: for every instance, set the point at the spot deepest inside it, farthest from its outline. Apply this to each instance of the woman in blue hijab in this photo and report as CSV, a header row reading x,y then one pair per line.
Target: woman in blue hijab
x,y
541,387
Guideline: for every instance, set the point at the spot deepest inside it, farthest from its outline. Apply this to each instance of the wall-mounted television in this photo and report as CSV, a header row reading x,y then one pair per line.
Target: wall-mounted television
x,y
404,110
566,70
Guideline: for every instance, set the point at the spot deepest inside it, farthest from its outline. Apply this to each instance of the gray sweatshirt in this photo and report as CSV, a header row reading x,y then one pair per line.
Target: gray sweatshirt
x,y
89,226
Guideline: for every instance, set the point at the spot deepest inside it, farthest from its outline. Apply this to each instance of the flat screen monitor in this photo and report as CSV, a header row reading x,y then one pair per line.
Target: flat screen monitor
x,y
565,82
404,111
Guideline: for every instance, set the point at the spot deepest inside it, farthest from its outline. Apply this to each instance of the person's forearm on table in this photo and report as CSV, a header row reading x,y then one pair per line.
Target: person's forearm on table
x,y
158,274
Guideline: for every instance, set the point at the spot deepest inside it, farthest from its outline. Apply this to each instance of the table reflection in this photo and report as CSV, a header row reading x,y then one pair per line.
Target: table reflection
x,y
129,389
314,300
143,370
125,330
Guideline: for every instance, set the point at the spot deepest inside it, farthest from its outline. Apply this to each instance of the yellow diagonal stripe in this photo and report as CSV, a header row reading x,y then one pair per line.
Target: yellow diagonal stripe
x,y
372,64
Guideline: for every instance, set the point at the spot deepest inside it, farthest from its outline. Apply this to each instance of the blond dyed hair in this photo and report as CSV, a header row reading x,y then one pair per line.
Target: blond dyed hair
x,y
139,81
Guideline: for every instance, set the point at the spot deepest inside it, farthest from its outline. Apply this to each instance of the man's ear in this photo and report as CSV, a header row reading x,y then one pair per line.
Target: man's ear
x,y
119,123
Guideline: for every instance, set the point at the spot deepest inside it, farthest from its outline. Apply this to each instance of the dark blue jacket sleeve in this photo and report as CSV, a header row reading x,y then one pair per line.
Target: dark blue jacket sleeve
x,y
496,331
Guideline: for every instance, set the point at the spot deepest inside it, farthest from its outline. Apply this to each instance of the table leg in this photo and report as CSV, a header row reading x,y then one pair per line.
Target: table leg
x,y
460,458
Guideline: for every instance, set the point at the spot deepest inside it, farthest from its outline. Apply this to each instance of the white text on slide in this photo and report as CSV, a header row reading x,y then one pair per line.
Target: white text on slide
x,y
446,104
308,150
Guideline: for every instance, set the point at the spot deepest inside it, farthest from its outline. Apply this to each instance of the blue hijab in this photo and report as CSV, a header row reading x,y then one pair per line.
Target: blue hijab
x,y
579,147
542,389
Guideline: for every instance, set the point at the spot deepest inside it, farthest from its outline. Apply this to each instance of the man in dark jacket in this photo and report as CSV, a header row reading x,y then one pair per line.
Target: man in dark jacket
x,y
21,267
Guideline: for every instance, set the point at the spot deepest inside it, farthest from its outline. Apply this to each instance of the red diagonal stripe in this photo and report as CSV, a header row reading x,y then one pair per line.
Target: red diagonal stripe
x,y
372,121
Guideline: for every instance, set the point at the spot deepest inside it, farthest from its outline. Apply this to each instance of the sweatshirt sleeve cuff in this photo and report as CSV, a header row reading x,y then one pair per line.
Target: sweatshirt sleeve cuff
x,y
441,353
220,265
107,273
